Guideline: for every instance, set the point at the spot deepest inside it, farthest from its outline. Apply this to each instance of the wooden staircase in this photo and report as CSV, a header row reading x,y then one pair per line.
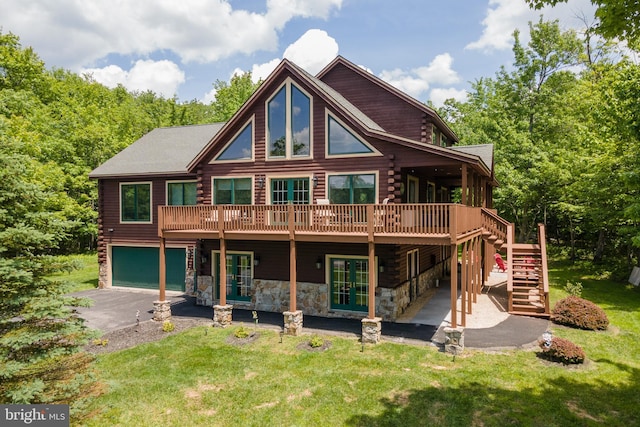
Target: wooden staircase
x,y
527,276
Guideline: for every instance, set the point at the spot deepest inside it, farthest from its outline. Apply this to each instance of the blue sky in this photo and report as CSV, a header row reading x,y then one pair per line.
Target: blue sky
x,y
431,49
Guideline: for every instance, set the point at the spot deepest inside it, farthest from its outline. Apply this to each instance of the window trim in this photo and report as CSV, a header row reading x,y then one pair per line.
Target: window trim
x,y
375,173
150,183
327,114
251,122
253,186
288,82
178,181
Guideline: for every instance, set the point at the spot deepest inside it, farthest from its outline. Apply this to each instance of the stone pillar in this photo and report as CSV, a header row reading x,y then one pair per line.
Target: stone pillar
x,y
453,340
371,330
161,311
222,315
293,322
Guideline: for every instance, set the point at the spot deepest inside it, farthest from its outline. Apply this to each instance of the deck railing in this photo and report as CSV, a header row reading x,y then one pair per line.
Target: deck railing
x,y
442,219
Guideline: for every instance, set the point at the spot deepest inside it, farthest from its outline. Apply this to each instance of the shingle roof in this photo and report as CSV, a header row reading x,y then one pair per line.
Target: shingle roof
x,y
483,151
161,151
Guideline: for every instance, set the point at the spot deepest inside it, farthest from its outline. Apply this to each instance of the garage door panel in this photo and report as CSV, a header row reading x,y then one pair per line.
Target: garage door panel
x,y
138,267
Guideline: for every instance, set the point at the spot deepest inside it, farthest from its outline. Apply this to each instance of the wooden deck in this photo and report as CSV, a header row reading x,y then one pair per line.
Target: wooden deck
x,y
431,223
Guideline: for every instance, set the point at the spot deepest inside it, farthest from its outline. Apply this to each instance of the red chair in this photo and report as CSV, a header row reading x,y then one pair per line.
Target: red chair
x,y
500,262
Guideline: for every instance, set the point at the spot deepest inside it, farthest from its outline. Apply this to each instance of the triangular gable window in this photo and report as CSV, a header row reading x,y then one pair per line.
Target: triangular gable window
x,y
341,141
241,148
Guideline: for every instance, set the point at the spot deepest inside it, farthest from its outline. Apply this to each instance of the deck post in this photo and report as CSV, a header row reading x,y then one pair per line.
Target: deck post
x,y
465,185
454,286
162,307
464,282
222,312
293,318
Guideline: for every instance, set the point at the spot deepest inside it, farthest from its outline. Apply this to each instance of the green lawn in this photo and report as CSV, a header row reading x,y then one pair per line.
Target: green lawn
x,y
84,277
196,378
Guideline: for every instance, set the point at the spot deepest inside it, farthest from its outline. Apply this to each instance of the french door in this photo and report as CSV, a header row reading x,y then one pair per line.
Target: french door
x,y
239,276
349,283
289,191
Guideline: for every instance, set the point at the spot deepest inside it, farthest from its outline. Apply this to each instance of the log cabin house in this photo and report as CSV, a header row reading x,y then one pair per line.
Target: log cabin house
x,y
330,195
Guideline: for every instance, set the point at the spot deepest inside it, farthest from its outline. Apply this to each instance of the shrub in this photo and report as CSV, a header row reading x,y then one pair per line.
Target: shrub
x,y
316,341
574,289
241,332
563,351
580,313
167,326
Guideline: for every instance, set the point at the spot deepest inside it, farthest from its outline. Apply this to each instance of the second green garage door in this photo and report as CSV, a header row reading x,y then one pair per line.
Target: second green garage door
x,y
139,267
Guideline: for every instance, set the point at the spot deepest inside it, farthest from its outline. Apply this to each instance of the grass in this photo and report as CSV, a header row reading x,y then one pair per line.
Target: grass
x,y
84,277
197,378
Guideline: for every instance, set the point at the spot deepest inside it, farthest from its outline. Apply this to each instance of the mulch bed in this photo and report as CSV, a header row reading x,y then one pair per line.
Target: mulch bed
x,y
144,332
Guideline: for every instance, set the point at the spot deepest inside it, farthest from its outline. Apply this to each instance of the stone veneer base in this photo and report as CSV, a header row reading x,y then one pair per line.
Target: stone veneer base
x,y
222,315
292,322
371,330
161,311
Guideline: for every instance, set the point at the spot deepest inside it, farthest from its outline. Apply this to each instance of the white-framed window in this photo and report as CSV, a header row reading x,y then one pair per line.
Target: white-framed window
x,y
352,188
240,148
344,142
136,202
182,193
289,123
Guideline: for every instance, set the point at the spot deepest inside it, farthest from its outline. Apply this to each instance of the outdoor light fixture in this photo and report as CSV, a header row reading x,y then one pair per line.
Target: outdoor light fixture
x,y
381,266
547,337
203,259
315,181
319,263
256,260
260,182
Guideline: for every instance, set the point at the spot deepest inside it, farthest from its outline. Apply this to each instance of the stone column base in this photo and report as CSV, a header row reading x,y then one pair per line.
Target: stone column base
x,y
161,311
292,322
222,315
371,330
453,340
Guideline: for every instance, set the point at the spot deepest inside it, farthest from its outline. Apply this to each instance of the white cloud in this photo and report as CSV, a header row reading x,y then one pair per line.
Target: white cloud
x,y
417,81
76,33
262,71
439,70
162,77
504,16
439,95
312,51
406,81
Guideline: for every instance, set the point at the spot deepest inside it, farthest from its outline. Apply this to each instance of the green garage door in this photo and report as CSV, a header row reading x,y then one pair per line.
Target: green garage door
x,y
136,267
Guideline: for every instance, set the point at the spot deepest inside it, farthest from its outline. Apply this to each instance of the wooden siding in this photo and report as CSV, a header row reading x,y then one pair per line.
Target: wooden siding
x,y
274,259
386,109
129,233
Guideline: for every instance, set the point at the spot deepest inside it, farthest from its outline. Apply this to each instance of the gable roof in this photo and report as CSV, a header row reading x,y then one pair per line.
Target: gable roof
x,y
340,60
161,151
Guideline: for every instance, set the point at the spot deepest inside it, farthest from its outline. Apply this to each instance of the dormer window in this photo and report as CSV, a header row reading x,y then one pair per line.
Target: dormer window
x,y
289,123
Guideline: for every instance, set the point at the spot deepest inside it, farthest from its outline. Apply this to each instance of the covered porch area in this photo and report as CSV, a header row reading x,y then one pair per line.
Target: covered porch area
x,y
462,229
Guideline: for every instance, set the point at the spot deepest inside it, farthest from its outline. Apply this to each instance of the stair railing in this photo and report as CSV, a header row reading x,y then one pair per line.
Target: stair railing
x,y
510,240
542,241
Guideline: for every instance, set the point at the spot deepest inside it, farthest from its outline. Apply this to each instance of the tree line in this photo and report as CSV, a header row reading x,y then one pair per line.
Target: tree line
x,y
565,121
